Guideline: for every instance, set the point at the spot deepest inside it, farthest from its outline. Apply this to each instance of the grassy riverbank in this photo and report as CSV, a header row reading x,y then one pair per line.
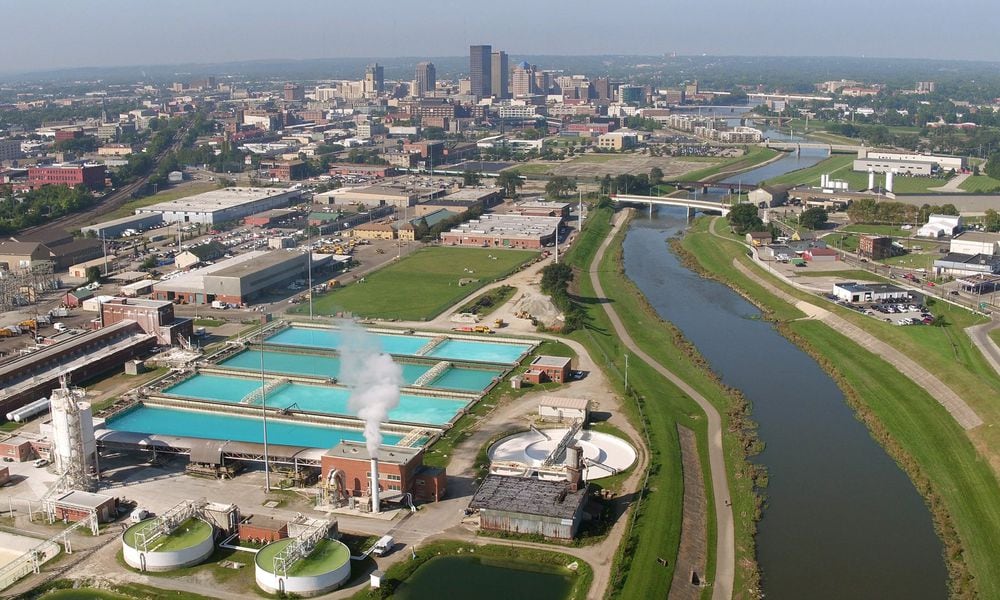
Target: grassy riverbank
x,y
655,532
939,457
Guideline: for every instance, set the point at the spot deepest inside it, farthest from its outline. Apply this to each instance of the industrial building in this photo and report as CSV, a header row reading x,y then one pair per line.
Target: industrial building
x,y
564,409
851,291
195,255
941,225
399,195
116,227
235,280
77,505
220,206
155,317
83,356
961,265
401,469
548,368
530,506
542,208
89,176
945,163
270,218
904,167
975,242
505,231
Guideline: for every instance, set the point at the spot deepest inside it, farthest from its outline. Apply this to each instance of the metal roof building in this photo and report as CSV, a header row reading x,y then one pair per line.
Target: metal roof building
x,y
235,280
218,206
531,506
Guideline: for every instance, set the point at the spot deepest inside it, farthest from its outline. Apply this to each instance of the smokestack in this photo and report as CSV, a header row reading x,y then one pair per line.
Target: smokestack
x,y
871,179
375,502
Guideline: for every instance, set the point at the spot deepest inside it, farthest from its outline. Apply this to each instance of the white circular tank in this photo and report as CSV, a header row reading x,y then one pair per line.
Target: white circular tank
x,y
72,419
325,570
180,549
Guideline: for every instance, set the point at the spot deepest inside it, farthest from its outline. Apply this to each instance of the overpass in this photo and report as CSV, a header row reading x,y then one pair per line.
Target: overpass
x,y
691,205
796,146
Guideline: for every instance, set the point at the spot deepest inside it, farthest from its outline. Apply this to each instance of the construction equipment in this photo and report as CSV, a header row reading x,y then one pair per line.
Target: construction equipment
x,y
498,323
482,329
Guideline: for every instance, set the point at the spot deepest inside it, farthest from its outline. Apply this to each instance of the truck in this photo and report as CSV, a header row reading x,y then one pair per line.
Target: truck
x,y
138,515
60,327
62,311
384,545
218,304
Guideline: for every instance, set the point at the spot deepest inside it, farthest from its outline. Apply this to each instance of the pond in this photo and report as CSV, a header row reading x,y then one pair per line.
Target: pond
x,y
485,579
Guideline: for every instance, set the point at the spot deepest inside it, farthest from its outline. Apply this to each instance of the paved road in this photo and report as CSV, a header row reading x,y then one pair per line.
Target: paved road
x,y
725,566
953,184
980,335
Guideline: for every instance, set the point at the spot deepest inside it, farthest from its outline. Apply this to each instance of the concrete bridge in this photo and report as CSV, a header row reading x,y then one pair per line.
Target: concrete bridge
x,y
691,205
796,146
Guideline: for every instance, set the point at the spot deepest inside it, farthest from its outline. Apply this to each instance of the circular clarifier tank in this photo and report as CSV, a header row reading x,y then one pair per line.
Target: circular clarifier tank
x,y
604,454
325,569
189,544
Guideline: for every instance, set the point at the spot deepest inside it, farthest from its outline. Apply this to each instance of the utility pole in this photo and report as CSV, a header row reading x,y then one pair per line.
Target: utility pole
x,y
626,372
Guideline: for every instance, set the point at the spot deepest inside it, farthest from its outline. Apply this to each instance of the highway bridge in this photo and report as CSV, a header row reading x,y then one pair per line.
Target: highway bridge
x,y
796,146
690,204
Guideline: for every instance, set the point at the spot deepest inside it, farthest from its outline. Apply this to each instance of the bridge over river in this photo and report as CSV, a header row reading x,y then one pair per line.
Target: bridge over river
x,y
691,204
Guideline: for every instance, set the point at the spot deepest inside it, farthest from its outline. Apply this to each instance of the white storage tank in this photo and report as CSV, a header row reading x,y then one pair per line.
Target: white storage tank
x,y
188,544
326,568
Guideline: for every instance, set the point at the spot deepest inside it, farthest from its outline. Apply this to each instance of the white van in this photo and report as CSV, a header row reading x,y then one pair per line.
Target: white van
x,y
60,327
384,545
138,515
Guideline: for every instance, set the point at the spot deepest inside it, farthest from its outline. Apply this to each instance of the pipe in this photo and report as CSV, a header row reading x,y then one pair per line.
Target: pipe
x,y
375,502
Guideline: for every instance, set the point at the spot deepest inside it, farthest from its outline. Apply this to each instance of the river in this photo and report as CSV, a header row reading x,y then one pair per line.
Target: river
x,y
842,519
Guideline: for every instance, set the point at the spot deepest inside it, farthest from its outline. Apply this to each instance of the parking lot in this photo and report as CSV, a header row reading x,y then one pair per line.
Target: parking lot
x,y
897,313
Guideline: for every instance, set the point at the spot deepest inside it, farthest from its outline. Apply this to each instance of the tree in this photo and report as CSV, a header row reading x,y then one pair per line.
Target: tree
x,y
743,218
992,222
813,218
93,274
655,176
993,166
559,186
510,181
470,178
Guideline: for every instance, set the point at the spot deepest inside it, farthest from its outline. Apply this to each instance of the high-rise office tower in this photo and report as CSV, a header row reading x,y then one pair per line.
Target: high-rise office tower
x,y
542,82
602,89
426,78
480,61
499,72
374,79
523,80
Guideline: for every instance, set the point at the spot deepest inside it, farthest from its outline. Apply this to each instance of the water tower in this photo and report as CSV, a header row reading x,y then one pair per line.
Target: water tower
x,y
74,448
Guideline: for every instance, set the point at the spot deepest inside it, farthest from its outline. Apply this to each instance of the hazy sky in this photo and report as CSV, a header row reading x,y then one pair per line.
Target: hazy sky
x,y
44,34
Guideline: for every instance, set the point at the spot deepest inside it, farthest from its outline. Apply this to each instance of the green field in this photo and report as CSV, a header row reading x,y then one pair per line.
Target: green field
x,y
534,168
980,183
924,438
423,284
850,275
995,336
913,260
755,155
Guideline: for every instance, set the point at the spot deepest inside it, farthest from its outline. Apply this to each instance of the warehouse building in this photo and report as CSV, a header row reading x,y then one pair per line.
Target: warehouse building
x,y
220,206
236,280
525,505
155,317
504,231
115,228
543,208
851,291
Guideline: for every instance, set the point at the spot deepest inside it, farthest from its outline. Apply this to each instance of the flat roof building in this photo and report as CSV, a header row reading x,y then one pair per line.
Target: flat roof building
x,y
526,505
234,281
504,231
116,227
851,291
219,206
401,469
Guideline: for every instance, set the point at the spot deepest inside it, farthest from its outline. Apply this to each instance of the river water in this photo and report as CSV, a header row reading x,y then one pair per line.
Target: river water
x,y
842,520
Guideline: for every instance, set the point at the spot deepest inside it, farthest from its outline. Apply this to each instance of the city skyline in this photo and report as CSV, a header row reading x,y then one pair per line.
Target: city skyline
x,y
207,33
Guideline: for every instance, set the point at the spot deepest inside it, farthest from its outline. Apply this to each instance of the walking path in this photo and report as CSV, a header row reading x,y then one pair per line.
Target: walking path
x,y
725,552
953,184
962,412
980,335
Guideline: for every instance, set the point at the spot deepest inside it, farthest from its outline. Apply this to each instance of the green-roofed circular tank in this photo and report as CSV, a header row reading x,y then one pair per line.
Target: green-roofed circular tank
x,y
325,569
189,544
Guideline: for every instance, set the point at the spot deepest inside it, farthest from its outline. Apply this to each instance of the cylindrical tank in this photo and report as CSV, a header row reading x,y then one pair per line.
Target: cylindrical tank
x,y
324,570
72,429
188,545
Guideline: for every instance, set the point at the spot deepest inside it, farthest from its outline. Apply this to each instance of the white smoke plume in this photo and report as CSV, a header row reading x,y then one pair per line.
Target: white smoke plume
x,y
372,376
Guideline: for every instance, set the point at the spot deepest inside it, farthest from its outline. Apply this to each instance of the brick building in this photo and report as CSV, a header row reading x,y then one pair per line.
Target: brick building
x,y
261,529
91,176
875,247
401,470
155,317
549,368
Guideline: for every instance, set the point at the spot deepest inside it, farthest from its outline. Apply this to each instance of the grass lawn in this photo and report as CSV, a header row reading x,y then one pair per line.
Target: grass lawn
x,y
422,285
913,260
486,303
843,241
533,168
836,166
892,230
851,275
183,191
755,155
598,158
957,463
121,592
656,524
980,183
